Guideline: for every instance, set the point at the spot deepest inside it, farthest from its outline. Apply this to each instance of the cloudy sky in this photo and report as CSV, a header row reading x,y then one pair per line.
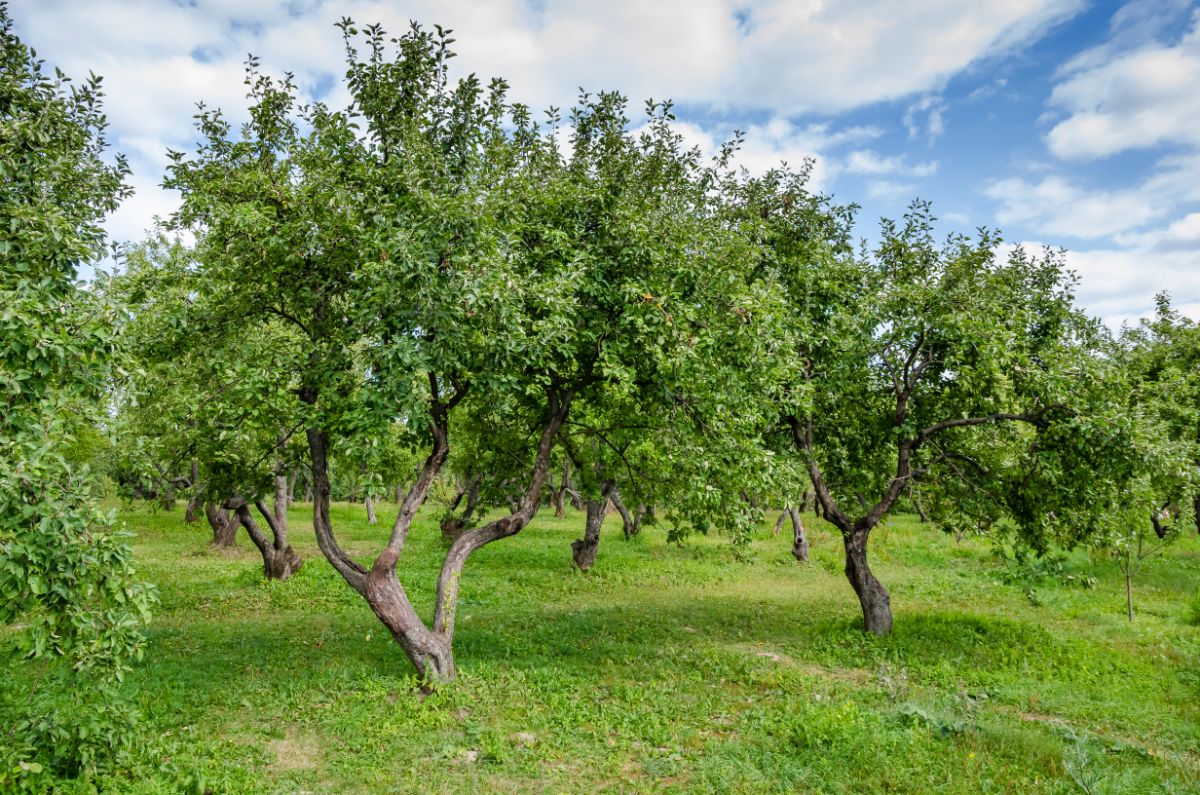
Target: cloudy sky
x,y
1064,122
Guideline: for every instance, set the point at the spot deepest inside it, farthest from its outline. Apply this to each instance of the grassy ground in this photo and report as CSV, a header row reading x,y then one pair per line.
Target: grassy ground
x,y
667,668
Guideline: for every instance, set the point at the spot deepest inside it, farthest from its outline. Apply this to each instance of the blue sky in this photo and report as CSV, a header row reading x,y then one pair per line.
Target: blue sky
x,y
1061,122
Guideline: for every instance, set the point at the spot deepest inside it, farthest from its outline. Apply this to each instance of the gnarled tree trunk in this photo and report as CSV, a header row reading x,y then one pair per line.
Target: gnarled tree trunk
x,y
876,604
371,518
583,550
224,525
280,561
430,649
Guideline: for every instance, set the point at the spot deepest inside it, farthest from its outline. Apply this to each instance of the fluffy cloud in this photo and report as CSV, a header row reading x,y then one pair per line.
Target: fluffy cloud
x,y
1056,205
769,59
1137,99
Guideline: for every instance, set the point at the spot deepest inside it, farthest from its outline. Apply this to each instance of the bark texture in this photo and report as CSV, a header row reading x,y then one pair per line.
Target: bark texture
x,y
280,561
224,524
874,598
583,550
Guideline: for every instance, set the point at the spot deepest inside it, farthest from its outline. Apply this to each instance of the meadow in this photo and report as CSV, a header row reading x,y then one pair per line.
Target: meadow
x,y
667,668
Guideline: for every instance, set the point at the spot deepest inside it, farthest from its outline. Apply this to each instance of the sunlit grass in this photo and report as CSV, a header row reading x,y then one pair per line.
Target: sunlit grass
x,y
666,668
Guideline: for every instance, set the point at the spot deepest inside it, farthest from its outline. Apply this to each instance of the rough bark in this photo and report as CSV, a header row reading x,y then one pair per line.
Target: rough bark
x,y
583,550
280,561
224,526
799,539
876,604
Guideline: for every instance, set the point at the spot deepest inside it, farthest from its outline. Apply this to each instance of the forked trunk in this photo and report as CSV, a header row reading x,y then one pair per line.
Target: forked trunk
x,y
224,526
280,561
799,539
583,550
876,604
429,648
430,653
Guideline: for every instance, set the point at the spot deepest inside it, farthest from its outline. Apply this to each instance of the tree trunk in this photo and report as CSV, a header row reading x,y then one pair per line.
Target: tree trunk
x,y
799,540
281,502
291,486
192,514
1196,510
583,550
876,604
371,519
630,525
1129,593
224,526
558,498
920,509
430,653
280,561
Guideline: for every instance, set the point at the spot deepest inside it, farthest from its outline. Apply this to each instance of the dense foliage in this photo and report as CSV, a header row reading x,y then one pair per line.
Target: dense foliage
x,y
432,294
66,574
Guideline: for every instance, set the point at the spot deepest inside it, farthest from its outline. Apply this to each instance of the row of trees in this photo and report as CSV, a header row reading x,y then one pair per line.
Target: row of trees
x,y
431,284
432,267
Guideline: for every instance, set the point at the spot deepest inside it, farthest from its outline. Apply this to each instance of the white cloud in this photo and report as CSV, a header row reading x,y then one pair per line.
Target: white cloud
x,y
933,108
777,59
1181,235
1118,282
890,190
811,55
1134,100
1056,206
866,161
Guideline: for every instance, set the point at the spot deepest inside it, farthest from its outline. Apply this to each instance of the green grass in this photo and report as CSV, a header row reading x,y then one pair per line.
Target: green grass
x,y
665,669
